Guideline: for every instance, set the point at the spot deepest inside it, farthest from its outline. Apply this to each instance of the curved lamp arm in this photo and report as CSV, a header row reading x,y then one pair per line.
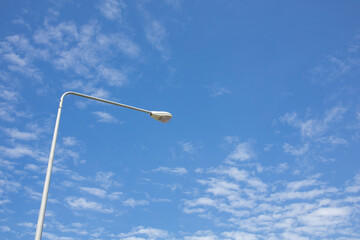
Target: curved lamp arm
x,y
158,115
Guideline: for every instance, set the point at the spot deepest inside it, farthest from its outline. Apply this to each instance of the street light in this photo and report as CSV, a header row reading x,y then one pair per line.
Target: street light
x,y
158,115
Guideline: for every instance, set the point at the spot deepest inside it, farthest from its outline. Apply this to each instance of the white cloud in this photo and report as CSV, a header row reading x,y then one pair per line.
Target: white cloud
x,y
202,235
83,204
133,203
295,151
15,59
87,51
334,140
87,87
95,191
7,164
9,113
217,90
114,195
282,167
311,207
188,147
237,235
18,151
105,117
354,184
334,114
69,141
268,147
32,194
4,201
201,201
242,152
16,134
5,228
105,179
176,170
20,21
315,128
6,113
289,195
231,139
112,9
335,68
54,237
292,235
27,224
238,175
8,94
293,186
173,3
31,167
18,53
144,233
326,216
256,183
156,34
113,77
101,193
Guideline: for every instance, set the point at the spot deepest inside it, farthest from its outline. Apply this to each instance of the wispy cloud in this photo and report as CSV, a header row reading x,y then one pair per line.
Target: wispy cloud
x,y
189,147
94,191
101,193
83,204
112,9
139,233
5,228
202,235
105,179
353,186
8,94
9,112
7,164
241,235
133,203
18,151
7,185
336,68
112,76
238,175
295,151
30,193
176,170
19,54
83,50
69,141
15,59
105,117
290,195
87,87
312,207
156,34
31,167
20,21
217,90
20,135
242,152
173,3
315,130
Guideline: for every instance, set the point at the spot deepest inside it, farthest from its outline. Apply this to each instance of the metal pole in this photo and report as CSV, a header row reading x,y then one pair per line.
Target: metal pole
x,y
40,223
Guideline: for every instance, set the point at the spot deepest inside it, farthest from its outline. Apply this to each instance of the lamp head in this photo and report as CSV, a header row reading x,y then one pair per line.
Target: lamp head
x,y
163,117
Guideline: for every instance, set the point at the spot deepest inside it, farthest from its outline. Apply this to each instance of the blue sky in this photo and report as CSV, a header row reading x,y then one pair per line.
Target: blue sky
x,y
264,140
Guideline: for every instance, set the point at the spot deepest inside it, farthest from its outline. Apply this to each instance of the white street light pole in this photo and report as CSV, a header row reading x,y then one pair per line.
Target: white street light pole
x,y
158,115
